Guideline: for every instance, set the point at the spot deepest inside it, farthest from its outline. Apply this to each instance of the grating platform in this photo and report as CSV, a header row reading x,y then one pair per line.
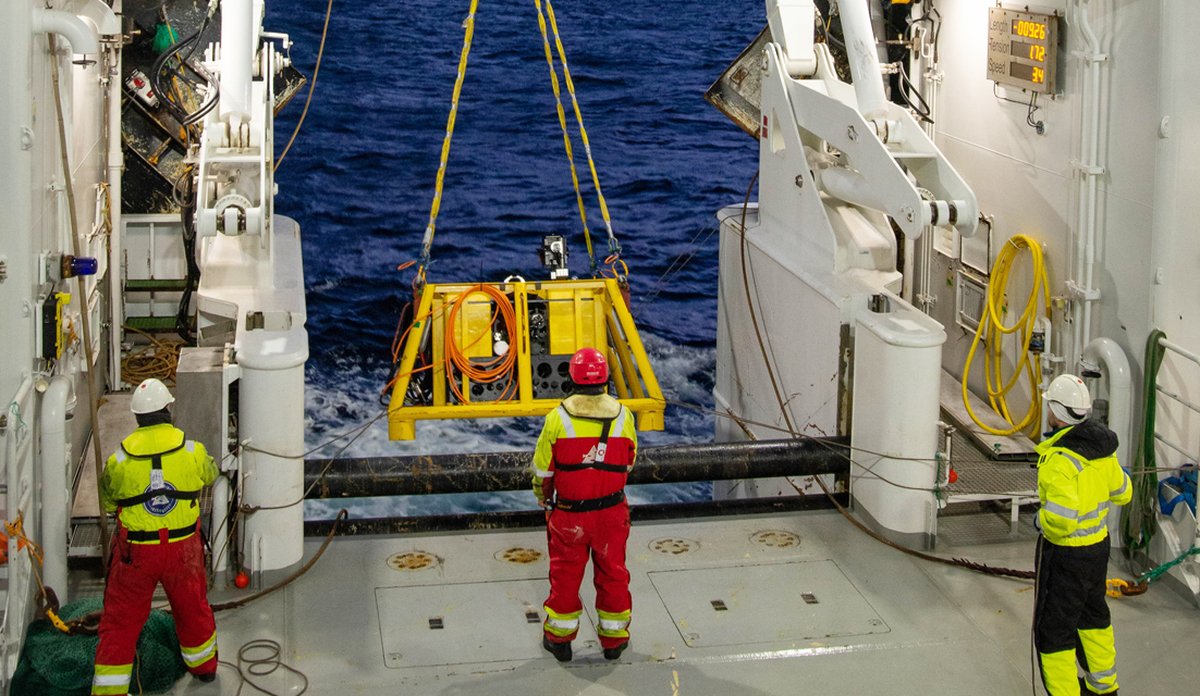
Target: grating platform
x,y
982,478
85,540
985,523
980,475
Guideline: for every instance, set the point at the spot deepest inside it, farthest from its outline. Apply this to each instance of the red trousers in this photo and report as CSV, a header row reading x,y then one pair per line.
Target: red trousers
x,y
134,572
572,537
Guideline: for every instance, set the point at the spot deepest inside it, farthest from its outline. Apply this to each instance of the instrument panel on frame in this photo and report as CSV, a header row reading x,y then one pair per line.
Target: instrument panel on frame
x,y
1023,49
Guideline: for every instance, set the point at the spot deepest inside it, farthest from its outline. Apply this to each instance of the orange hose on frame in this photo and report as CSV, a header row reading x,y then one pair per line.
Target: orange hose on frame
x,y
484,372
493,369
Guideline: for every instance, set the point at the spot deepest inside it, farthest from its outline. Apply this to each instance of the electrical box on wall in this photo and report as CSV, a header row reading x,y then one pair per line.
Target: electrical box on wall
x,y
970,299
52,324
1023,49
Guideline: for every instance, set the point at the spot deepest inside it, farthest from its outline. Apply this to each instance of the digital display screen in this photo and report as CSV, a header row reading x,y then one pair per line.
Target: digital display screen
x,y
1028,50
1028,29
1022,48
1029,73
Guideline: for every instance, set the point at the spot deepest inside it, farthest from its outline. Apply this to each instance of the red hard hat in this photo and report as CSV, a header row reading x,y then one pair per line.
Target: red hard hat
x,y
588,366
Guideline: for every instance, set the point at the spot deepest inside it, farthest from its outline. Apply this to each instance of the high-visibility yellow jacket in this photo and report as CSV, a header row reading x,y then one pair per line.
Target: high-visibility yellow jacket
x,y
584,415
1079,478
184,467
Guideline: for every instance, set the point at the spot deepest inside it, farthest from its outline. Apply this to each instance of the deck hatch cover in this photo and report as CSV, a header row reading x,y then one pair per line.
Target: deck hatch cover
x,y
765,603
480,622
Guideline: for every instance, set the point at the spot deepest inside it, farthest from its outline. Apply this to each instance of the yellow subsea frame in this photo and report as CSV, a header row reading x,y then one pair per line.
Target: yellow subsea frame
x,y
580,313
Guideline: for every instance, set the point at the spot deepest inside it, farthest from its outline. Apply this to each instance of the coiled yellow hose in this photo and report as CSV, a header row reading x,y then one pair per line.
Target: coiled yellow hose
x,y
992,330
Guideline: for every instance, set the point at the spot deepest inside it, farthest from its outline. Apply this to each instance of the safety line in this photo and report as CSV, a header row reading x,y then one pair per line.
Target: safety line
x,y
614,247
312,86
427,243
562,124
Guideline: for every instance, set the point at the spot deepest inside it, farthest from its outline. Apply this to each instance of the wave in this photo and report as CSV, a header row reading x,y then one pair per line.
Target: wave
x,y
342,400
360,181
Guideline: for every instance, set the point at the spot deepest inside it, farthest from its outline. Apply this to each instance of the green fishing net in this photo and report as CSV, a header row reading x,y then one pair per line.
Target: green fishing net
x,y
164,38
56,664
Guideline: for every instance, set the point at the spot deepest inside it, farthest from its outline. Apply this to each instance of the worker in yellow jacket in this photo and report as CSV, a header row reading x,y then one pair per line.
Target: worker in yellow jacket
x,y
1079,478
153,483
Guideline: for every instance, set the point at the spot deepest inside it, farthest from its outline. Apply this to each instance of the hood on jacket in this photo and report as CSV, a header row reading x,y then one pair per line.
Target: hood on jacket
x,y
1089,439
153,439
592,406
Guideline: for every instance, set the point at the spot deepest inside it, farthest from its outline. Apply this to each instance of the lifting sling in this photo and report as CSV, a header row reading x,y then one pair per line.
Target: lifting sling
x,y
498,349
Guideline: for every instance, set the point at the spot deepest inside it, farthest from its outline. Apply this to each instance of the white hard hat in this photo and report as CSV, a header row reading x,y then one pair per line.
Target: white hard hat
x,y
1068,399
150,396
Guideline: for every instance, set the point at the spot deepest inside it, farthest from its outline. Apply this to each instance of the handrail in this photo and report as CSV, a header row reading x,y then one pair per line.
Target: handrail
x,y
18,478
1177,397
1181,548
1170,345
1195,358
1174,446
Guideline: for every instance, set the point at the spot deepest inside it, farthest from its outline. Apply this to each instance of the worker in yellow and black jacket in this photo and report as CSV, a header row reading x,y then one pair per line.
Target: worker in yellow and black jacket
x,y
1079,478
153,483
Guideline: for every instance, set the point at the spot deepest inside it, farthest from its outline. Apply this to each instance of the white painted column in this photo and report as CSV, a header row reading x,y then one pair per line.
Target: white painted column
x,y
894,433
271,411
237,61
115,162
56,496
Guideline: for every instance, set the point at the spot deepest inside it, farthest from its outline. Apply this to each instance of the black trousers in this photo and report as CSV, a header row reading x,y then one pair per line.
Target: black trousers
x,y
1070,596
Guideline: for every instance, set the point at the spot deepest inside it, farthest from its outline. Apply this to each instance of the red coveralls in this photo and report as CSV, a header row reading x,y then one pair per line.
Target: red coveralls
x,y
153,482
581,464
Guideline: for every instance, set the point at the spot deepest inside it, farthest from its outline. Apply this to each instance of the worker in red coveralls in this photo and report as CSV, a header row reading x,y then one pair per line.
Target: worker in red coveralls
x,y
153,482
583,456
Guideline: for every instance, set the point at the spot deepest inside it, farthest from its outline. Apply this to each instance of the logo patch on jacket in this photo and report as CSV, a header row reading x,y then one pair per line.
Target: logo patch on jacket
x,y
596,453
160,505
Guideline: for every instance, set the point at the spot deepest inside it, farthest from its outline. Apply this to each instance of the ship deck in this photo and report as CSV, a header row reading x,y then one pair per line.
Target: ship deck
x,y
770,604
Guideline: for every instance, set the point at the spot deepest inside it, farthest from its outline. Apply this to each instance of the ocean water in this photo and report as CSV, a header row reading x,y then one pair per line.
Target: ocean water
x,y
360,180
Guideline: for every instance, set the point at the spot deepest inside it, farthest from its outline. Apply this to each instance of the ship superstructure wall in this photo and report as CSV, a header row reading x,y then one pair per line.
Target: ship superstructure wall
x,y
42,355
35,222
1146,146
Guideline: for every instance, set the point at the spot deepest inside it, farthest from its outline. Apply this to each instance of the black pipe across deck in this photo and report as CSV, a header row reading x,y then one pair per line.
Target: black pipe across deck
x,y
512,519
508,471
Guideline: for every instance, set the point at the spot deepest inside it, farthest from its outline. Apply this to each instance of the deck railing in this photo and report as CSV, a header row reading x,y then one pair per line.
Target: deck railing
x,y
1192,455
16,425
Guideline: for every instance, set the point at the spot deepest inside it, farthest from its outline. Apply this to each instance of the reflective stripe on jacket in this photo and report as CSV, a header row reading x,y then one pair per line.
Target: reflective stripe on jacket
x,y
186,467
1076,492
571,435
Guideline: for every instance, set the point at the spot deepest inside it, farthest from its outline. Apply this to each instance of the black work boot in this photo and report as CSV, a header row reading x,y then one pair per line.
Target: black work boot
x,y
614,653
206,678
560,651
